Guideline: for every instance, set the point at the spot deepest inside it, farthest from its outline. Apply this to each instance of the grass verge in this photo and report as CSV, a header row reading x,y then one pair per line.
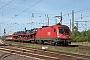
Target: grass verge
x,y
81,43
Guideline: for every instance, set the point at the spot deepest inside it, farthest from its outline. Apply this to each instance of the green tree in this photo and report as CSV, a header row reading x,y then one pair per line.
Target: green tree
x,y
88,35
83,36
75,35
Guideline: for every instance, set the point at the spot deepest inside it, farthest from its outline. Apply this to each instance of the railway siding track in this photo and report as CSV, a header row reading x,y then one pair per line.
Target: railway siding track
x,y
46,55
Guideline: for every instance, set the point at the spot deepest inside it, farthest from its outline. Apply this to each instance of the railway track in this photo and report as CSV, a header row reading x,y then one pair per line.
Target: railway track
x,y
43,54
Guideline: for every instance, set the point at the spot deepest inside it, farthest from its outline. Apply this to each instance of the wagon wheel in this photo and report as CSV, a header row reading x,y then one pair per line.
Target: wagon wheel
x,y
40,42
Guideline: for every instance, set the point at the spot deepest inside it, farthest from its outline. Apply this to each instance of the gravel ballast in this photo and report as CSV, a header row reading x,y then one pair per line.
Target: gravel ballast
x,y
10,56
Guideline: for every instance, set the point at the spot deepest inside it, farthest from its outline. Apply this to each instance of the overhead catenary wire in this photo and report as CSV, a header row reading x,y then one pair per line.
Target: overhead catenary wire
x,y
77,11
82,17
17,5
52,14
25,10
82,10
6,4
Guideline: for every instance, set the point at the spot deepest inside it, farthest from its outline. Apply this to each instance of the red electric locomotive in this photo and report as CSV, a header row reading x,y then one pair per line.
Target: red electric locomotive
x,y
55,35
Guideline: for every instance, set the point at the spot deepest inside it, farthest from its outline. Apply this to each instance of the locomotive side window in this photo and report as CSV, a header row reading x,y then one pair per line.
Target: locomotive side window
x,y
63,30
54,30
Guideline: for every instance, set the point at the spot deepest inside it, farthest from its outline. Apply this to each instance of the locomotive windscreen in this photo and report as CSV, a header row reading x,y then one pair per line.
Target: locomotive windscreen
x,y
63,30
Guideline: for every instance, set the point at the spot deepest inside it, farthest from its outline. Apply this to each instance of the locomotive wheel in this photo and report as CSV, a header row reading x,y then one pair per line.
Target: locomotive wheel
x,y
40,42
56,44
32,42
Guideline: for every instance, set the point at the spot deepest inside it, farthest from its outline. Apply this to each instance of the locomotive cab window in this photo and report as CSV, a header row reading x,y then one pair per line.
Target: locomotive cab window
x,y
63,30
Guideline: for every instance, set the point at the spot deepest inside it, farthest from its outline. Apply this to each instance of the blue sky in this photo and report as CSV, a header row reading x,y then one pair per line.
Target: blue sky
x,y
15,15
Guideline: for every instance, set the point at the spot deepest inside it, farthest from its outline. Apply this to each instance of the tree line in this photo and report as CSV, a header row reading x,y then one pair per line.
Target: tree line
x,y
83,36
